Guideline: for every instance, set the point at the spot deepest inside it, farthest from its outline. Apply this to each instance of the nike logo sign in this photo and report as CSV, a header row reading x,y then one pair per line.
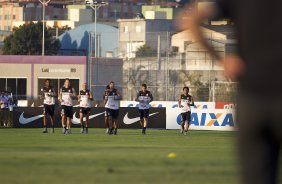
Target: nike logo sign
x,y
76,120
129,121
24,120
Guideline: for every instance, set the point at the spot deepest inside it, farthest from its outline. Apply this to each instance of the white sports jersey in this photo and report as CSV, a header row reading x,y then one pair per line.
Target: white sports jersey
x,y
112,102
48,96
84,99
67,96
185,103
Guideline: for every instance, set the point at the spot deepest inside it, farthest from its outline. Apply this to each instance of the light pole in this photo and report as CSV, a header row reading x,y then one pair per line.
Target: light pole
x,y
44,3
95,5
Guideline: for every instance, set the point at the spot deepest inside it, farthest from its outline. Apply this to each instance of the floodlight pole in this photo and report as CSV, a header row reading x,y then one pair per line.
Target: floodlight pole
x,y
95,6
44,3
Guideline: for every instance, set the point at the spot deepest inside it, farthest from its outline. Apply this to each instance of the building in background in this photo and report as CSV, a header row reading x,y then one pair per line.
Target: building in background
x,y
15,12
74,15
24,75
133,33
81,41
169,12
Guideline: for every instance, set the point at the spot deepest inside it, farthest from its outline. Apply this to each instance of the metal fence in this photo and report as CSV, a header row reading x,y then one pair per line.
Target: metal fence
x,y
167,66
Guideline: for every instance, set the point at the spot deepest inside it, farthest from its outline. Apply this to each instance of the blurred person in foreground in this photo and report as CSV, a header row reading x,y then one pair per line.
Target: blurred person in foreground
x,y
257,68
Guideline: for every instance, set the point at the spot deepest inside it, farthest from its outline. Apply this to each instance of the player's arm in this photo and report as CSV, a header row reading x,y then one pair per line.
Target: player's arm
x,y
73,93
137,97
42,96
179,101
54,93
192,102
90,96
151,96
193,23
119,97
60,95
104,97
78,97
233,65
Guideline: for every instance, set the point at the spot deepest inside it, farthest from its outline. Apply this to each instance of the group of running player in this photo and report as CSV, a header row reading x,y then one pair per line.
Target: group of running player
x,y
111,96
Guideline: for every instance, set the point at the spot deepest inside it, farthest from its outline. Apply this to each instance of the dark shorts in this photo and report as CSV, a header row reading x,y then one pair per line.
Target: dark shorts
x,y
49,110
186,116
85,111
112,113
67,111
143,113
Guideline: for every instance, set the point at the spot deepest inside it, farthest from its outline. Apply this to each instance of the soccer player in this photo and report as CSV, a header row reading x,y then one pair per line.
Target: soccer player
x,y
144,97
85,99
112,107
67,93
185,101
48,94
105,95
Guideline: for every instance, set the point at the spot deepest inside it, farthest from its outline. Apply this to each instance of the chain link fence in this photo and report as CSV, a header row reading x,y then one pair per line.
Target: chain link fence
x,y
167,62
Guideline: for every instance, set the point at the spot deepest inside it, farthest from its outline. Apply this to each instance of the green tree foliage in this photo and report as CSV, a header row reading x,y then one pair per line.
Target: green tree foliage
x,y
145,51
27,40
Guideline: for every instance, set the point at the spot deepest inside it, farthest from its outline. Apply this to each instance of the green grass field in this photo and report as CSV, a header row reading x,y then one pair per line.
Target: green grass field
x,y
28,156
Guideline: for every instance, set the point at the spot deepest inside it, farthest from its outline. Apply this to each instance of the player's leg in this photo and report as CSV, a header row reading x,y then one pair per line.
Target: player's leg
x,y
146,119
188,117
114,129
45,119
183,119
87,120
52,120
115,121
69,117
107,121
52,117
45,123
141,115
81,120
63,114
186,127
110,121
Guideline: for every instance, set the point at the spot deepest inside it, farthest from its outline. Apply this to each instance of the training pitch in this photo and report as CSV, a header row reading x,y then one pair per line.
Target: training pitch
x,y
29,156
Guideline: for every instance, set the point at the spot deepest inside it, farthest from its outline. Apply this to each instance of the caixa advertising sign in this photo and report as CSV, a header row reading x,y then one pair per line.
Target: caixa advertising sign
x,y
203,119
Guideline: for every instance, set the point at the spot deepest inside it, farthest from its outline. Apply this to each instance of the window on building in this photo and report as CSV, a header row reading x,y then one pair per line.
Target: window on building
x,y
12,85
125,29
18,86
2,84
14,17
21,88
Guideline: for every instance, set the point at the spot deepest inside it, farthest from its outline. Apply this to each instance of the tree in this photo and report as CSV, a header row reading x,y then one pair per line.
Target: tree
x,y
200,90
145,51
27,40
